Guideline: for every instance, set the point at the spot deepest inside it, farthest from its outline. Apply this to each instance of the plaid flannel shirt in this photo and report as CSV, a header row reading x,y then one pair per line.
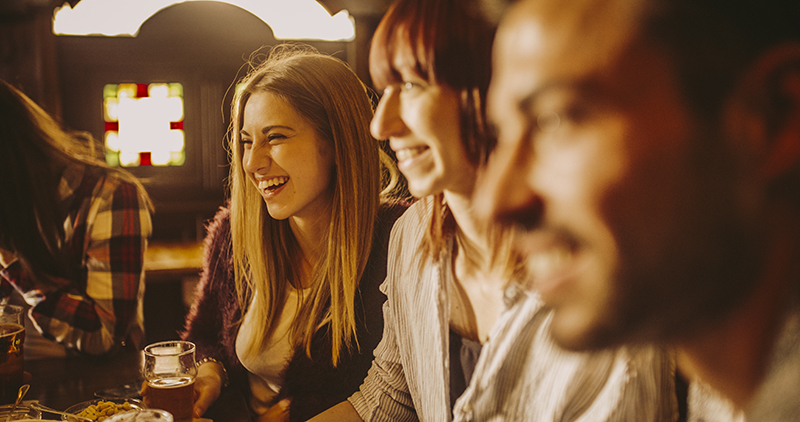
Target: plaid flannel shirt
x,y
106,232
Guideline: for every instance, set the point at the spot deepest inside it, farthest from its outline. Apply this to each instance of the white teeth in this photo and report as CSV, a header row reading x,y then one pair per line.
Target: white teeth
x,y
407,153
545,264
275,181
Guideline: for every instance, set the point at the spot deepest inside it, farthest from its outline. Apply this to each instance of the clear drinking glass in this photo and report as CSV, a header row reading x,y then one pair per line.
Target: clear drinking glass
x,y
169,369
12,340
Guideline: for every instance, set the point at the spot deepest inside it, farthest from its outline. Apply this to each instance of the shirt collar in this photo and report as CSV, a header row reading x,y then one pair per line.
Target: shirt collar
x,y
70,181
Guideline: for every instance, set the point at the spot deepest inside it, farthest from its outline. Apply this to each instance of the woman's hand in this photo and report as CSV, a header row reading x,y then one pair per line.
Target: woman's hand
x,y
207,386
279,412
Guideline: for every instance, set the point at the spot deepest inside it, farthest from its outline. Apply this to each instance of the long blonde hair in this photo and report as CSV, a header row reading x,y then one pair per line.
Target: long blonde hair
x,y
267,257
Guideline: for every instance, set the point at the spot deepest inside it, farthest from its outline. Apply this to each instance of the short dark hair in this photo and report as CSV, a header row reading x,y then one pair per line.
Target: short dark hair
x,y
713,42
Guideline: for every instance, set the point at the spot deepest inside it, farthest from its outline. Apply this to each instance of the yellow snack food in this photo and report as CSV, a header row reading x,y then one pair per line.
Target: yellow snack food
x,y
102,410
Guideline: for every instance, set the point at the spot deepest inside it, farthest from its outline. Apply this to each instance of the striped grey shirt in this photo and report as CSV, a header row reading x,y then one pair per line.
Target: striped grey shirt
x,y
523,376
520,376
409,378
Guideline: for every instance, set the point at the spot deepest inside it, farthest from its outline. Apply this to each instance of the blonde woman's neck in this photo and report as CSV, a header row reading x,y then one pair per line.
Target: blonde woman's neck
x,y
310,235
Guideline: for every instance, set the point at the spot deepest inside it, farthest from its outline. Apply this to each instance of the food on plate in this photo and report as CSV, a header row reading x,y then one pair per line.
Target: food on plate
x,y
103,409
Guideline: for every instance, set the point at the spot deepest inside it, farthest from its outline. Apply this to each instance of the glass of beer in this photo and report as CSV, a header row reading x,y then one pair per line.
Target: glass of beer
x,y
169,369
12,339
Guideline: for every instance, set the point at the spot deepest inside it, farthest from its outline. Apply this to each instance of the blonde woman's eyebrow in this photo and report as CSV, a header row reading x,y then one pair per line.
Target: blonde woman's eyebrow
x,y
268,129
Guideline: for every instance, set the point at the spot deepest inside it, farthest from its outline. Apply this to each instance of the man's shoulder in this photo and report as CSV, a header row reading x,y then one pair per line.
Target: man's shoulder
x,y
777,398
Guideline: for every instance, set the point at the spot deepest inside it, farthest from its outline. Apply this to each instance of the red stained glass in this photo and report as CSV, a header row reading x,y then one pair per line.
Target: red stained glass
x,y
141,91
176,125
144,159
112,126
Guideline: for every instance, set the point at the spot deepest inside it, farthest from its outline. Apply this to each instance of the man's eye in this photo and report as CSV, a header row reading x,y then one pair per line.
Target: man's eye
x,y
410,86
548,121
564,118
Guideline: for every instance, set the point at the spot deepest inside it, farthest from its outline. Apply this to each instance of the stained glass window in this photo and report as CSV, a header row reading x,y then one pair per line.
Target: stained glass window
x,y
144,124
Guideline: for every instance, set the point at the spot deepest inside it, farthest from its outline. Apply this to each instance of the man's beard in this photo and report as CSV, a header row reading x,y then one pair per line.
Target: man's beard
x,y
708,267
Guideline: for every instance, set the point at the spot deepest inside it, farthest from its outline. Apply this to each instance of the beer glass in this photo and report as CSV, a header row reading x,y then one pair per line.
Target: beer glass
x,y
12,339
169,369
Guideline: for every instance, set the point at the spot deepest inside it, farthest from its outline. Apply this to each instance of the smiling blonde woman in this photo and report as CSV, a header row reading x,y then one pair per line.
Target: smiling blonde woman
x,y
289,301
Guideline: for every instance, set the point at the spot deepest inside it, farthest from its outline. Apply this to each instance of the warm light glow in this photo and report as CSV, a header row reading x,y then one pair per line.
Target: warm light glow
x,y
160,158
126,91
174,141
289,19
158,90
112,141
111,109
128,159
144,124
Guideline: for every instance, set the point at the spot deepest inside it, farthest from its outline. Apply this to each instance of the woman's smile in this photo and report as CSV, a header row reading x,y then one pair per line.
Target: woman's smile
x,y
272,186
285,158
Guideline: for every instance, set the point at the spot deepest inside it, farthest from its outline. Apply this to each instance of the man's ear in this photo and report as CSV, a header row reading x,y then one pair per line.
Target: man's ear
x,y
765,112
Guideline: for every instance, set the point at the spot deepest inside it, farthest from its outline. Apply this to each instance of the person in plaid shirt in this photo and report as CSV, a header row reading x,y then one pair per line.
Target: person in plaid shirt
x,y
73,232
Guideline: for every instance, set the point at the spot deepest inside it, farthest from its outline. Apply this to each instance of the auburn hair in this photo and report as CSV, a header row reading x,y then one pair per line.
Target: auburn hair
x,y
451,44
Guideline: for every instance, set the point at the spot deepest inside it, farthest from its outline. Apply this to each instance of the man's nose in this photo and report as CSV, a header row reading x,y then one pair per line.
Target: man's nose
x,y
504,193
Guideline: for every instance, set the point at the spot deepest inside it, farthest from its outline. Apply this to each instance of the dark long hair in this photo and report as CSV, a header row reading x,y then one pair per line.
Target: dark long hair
x,y
34,151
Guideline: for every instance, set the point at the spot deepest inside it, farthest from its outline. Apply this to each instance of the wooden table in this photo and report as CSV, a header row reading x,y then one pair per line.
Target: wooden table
x,y
60,383
168,260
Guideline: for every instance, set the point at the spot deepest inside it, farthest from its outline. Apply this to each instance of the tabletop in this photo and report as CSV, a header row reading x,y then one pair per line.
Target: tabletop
x,y
168,260
60,383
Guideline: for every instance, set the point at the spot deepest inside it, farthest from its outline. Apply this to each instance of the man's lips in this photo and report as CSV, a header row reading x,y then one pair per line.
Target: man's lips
x,y
549,258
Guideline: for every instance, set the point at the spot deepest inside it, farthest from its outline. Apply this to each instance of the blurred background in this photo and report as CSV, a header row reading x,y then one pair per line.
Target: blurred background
x,y
150,82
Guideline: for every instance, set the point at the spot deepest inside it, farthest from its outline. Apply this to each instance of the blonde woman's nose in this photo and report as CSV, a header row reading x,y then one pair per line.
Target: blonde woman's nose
x,y
256,159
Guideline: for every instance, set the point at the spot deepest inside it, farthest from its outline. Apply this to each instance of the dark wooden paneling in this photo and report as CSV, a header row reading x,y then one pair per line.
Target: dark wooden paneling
x,y
202,45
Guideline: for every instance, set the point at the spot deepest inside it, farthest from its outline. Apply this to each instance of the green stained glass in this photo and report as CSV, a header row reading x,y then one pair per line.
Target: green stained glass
x,y
112,158
110,90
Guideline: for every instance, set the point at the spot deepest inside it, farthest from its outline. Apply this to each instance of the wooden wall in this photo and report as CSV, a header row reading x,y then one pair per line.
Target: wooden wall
x,y
203,45
28,52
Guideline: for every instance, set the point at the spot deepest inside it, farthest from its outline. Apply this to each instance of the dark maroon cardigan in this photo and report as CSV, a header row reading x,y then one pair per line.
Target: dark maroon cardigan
x,y
313,384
